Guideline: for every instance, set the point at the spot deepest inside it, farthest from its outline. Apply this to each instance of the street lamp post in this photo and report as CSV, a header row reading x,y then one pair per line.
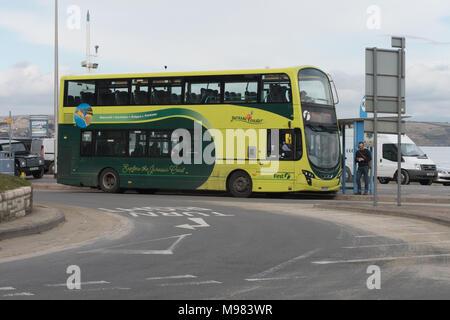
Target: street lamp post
x,y
56,88
11,157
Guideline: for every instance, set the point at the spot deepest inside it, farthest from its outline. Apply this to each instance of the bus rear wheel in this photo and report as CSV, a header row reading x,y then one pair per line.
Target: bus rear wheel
x,y
240,185
109,181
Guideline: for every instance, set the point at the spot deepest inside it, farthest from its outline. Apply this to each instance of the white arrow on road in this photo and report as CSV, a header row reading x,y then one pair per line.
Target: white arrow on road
x,y
200,223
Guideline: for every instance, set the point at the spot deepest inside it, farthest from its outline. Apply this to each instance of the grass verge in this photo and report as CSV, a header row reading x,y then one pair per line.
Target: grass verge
x,y
9,183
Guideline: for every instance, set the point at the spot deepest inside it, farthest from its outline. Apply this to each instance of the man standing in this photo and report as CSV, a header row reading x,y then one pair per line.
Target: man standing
x,y
364,161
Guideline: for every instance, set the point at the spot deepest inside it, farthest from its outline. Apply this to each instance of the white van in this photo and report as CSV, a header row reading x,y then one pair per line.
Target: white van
x,y
46,148
416,166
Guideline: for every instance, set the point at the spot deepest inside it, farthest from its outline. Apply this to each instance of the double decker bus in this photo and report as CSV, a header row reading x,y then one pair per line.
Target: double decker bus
x,y
269,130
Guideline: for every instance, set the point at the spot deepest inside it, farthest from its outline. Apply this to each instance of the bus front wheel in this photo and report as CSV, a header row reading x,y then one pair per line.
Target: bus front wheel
x,y
240,185
109,181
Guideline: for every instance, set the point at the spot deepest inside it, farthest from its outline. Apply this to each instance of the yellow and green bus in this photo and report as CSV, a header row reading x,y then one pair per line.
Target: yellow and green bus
x,y
268,130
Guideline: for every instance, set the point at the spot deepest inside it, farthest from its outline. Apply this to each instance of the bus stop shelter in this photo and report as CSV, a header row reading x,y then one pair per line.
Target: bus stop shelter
x,y
357,125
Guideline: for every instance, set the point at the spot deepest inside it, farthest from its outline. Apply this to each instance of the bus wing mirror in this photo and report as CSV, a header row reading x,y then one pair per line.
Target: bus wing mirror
x,y
334,91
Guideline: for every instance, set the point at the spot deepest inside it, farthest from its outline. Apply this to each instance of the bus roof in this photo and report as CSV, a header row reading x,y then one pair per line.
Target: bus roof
x,y
186,74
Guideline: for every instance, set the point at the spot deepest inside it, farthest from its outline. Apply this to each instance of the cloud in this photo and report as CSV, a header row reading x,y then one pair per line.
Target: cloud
x,y
24,88
428,91
427,85
203,34
142,36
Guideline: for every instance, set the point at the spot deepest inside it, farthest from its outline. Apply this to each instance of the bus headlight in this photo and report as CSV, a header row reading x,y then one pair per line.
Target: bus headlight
x,y
309,176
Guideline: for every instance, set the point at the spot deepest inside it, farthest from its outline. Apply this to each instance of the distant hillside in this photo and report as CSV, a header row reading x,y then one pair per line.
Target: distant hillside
x,y
429,134
21,127
425,134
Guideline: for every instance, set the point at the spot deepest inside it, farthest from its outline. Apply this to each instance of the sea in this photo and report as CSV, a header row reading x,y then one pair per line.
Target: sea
x,y
440,155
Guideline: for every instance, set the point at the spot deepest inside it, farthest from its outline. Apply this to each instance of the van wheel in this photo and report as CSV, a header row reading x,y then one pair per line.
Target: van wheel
x,y
51,169
348,175
240,185
426,182
109,181
384,180
405,177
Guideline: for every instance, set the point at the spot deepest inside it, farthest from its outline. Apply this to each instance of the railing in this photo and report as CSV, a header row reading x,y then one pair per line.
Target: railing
x,y
6,163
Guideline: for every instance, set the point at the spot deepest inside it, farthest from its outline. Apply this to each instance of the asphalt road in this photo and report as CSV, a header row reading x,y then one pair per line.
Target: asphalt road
x,y
213,247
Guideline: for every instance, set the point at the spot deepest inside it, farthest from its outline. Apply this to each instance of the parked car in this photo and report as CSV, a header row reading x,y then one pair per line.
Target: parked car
x,y
24,161
443,177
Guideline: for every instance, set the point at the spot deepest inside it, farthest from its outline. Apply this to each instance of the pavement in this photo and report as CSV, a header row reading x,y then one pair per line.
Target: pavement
x,y
426,212
52,228
426,196
43,218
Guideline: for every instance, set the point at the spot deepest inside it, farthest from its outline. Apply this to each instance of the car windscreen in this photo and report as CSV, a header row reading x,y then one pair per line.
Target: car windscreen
x,y
15,147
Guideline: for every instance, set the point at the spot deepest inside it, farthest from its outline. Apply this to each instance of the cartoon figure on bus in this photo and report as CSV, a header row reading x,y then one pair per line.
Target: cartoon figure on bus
x,y
83,115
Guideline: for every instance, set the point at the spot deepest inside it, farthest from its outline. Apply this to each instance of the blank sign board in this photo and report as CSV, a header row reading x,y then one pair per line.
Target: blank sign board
x,y
388,70
384,126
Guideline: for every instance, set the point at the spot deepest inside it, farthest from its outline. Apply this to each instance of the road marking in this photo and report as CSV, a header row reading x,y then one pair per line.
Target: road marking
x,y
188,276
167,212
21,294
382,259
88,283
118,250
264,274
402,234
105,289
275,279
7,289
200,223
397,244
189,283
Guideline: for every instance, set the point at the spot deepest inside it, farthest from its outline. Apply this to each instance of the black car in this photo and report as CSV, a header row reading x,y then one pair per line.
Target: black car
x,y
24,161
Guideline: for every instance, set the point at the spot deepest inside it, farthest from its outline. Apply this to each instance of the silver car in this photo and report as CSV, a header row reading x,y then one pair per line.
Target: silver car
x,y
443,176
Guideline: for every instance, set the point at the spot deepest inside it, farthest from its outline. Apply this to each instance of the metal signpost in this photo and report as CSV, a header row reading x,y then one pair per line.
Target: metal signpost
x,y
385,93
9,121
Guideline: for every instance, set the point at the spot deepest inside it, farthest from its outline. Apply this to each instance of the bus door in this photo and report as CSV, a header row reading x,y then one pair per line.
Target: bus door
x,y
286,145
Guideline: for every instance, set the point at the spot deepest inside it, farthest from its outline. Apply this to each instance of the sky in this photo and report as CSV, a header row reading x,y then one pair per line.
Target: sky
x,y
146,35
